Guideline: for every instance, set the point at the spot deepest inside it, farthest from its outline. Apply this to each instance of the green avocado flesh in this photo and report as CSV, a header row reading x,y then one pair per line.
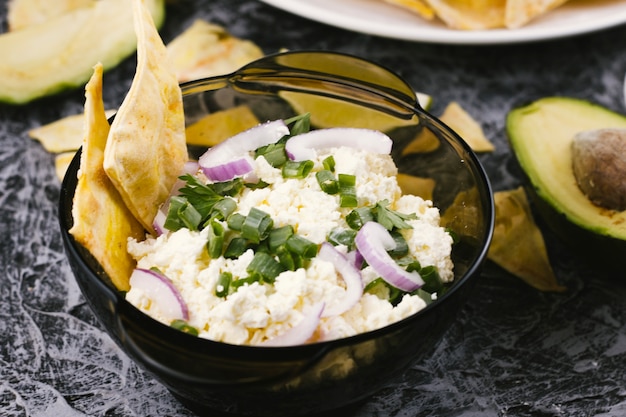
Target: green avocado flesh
x,y
60,54
541,135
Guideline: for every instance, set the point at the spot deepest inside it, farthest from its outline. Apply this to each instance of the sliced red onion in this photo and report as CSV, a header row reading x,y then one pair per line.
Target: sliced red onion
x,y
159,220
373,241
231,169
161,291
234,148
355,259
191,167
350,275
301,332
302,147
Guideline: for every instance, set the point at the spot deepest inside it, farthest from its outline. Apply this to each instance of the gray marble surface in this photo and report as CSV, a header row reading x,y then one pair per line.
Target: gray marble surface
x,y
514,351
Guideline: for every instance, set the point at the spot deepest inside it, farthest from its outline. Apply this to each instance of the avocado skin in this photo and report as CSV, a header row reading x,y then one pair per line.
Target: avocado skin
x,y
601,246
604,253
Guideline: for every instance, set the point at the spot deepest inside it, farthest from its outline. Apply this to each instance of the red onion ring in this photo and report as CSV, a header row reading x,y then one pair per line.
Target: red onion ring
x,y
373,241
302,147
301,332
161,291
350,275
233,149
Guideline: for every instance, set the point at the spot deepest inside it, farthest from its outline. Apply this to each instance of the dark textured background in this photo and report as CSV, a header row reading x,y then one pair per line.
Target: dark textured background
x,y
513,352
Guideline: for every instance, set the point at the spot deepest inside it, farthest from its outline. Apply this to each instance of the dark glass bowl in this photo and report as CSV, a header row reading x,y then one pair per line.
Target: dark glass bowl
x,y
214,378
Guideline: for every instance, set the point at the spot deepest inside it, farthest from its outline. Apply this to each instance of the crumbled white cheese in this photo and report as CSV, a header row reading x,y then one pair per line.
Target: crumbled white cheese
x,y
259,311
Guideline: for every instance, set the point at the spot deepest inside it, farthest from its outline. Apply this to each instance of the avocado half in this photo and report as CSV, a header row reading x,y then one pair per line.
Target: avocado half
x,y
541,135
60,54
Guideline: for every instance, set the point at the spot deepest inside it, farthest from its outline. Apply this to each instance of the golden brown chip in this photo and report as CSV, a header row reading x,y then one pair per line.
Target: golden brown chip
x,y
62,135
146,150
62,162
520,12
216,127
416,6
205,50
518,244
102,223
467,127
470,14
419,186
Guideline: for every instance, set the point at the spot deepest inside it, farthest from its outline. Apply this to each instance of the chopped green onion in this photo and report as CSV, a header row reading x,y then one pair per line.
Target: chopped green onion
x,y
289,260
302,246
265,266
235,221
432,281
235,248
424,295
359,216
184,327
223,284
298,170
182,214
242,281
223,208
340,236
347,190
329,163
401,248
384,290
216,239
257,225
327,181
278,237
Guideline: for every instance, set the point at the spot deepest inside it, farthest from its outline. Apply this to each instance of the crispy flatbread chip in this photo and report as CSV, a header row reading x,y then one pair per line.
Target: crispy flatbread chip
x,y
221,125
62,161
102,223
62,135
518,244
416,6
146,149
205,50
470,14
467,127
520,12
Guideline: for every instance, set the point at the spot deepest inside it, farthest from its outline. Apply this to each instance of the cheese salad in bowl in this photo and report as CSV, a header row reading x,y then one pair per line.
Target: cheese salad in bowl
x,y
283,240
302,238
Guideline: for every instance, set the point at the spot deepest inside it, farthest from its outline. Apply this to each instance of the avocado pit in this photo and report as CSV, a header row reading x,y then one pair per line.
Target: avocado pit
x,y
599,164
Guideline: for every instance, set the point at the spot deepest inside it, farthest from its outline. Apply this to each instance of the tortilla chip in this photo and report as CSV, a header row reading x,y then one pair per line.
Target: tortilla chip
x,y
518,244
467,127
216,127
419,186
62,162
416,6
102,223
62,135
146,149
470,14
205,50
24,13
520,12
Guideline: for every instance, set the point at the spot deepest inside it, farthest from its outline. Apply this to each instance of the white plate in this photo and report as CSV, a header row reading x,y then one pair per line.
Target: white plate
x,y
376,17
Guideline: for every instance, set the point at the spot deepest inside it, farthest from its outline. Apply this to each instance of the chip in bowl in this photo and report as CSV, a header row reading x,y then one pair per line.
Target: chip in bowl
x,y
146,149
